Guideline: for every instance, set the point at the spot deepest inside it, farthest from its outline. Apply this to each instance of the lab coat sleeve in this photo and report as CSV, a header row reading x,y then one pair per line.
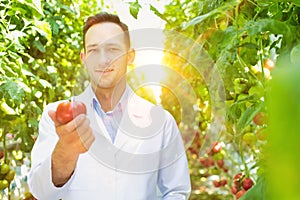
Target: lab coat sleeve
x,y
174,178
40,175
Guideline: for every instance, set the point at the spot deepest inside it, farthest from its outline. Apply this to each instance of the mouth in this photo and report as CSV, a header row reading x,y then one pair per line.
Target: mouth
x,y
104,71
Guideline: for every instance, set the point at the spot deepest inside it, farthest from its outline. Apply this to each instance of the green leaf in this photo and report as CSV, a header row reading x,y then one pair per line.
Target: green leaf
x,y
7,109
36,7
45,83
27,73
33,122
296,2
7,68
220,10
248,115
199,19
134,8
43,28
157,13
54,26
27,142
13,90
273,26
249,45
24,86
39,45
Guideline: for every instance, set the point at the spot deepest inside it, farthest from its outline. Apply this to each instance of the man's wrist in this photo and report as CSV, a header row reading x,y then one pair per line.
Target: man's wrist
x,y
62,165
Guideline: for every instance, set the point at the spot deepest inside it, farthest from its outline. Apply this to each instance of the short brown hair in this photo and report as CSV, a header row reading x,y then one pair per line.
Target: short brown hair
x,y
105,17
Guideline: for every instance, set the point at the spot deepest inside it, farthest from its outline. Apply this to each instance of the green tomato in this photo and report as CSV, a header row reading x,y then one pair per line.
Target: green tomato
x,y
4,168
240,88
249,138
10,175
220,155
3,184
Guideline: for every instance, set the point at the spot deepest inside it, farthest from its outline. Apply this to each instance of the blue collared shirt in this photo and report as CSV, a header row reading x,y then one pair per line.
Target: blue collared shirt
x,y
112,119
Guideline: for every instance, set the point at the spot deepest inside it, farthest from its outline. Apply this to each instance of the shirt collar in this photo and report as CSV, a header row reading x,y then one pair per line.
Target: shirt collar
x,y
121,105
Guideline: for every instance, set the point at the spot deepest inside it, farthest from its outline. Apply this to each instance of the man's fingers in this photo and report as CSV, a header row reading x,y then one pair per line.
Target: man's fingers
x,y
76,122
83,128
87,138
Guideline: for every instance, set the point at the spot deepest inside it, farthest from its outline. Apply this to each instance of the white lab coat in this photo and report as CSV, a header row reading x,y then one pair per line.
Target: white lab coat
x,y
146,162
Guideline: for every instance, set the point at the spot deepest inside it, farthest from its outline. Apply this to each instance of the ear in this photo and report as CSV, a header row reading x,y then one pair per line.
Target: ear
x,y
130,56
82,57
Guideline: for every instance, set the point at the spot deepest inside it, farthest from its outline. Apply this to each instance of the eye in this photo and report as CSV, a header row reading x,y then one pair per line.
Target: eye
x,y
92,50
114,49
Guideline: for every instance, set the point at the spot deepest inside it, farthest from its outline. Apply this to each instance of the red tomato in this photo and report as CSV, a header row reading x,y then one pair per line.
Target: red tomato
x,y
223,182
67,111
220,163
211,161
259,119
217,147
269,64
1,154
234,190
238,176
217,183
204,162
240,194
225,169
247,183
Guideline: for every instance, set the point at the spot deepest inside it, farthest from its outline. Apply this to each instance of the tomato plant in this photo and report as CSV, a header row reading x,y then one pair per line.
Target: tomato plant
x,y
40,44
245,40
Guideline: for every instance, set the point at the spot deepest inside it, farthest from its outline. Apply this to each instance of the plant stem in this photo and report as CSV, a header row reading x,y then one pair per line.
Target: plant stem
x,y
261,61
243,158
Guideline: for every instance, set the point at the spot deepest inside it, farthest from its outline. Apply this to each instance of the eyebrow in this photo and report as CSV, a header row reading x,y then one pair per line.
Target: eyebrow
x,y
92,45
103,44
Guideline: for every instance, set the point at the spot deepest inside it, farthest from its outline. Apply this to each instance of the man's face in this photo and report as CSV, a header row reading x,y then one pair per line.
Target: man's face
x,y
106,55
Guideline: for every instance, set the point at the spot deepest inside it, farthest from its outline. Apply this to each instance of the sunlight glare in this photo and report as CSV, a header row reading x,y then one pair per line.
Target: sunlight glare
x,y
152,57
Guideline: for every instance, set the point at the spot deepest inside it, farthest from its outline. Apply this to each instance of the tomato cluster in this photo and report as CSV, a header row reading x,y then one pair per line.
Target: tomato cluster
x,y
220,183
241,184
6,176
215,157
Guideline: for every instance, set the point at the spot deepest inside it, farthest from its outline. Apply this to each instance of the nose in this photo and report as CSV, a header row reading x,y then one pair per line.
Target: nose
x,y
103,58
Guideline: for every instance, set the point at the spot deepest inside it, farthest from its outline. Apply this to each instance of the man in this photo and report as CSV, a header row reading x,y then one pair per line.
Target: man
x,y
123,148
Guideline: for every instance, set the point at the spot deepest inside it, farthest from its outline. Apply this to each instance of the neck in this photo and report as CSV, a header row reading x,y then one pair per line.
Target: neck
x,y
109,97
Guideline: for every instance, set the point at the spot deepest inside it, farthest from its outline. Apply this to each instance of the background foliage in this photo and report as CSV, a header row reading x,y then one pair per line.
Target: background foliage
x,y
242,38
40,46
41,41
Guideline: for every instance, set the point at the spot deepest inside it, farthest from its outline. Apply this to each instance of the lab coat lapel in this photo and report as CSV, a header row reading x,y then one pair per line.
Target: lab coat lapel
x,y
95,121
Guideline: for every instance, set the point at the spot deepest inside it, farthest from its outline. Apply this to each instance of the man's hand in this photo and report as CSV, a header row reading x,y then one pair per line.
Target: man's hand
x,y
75,138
